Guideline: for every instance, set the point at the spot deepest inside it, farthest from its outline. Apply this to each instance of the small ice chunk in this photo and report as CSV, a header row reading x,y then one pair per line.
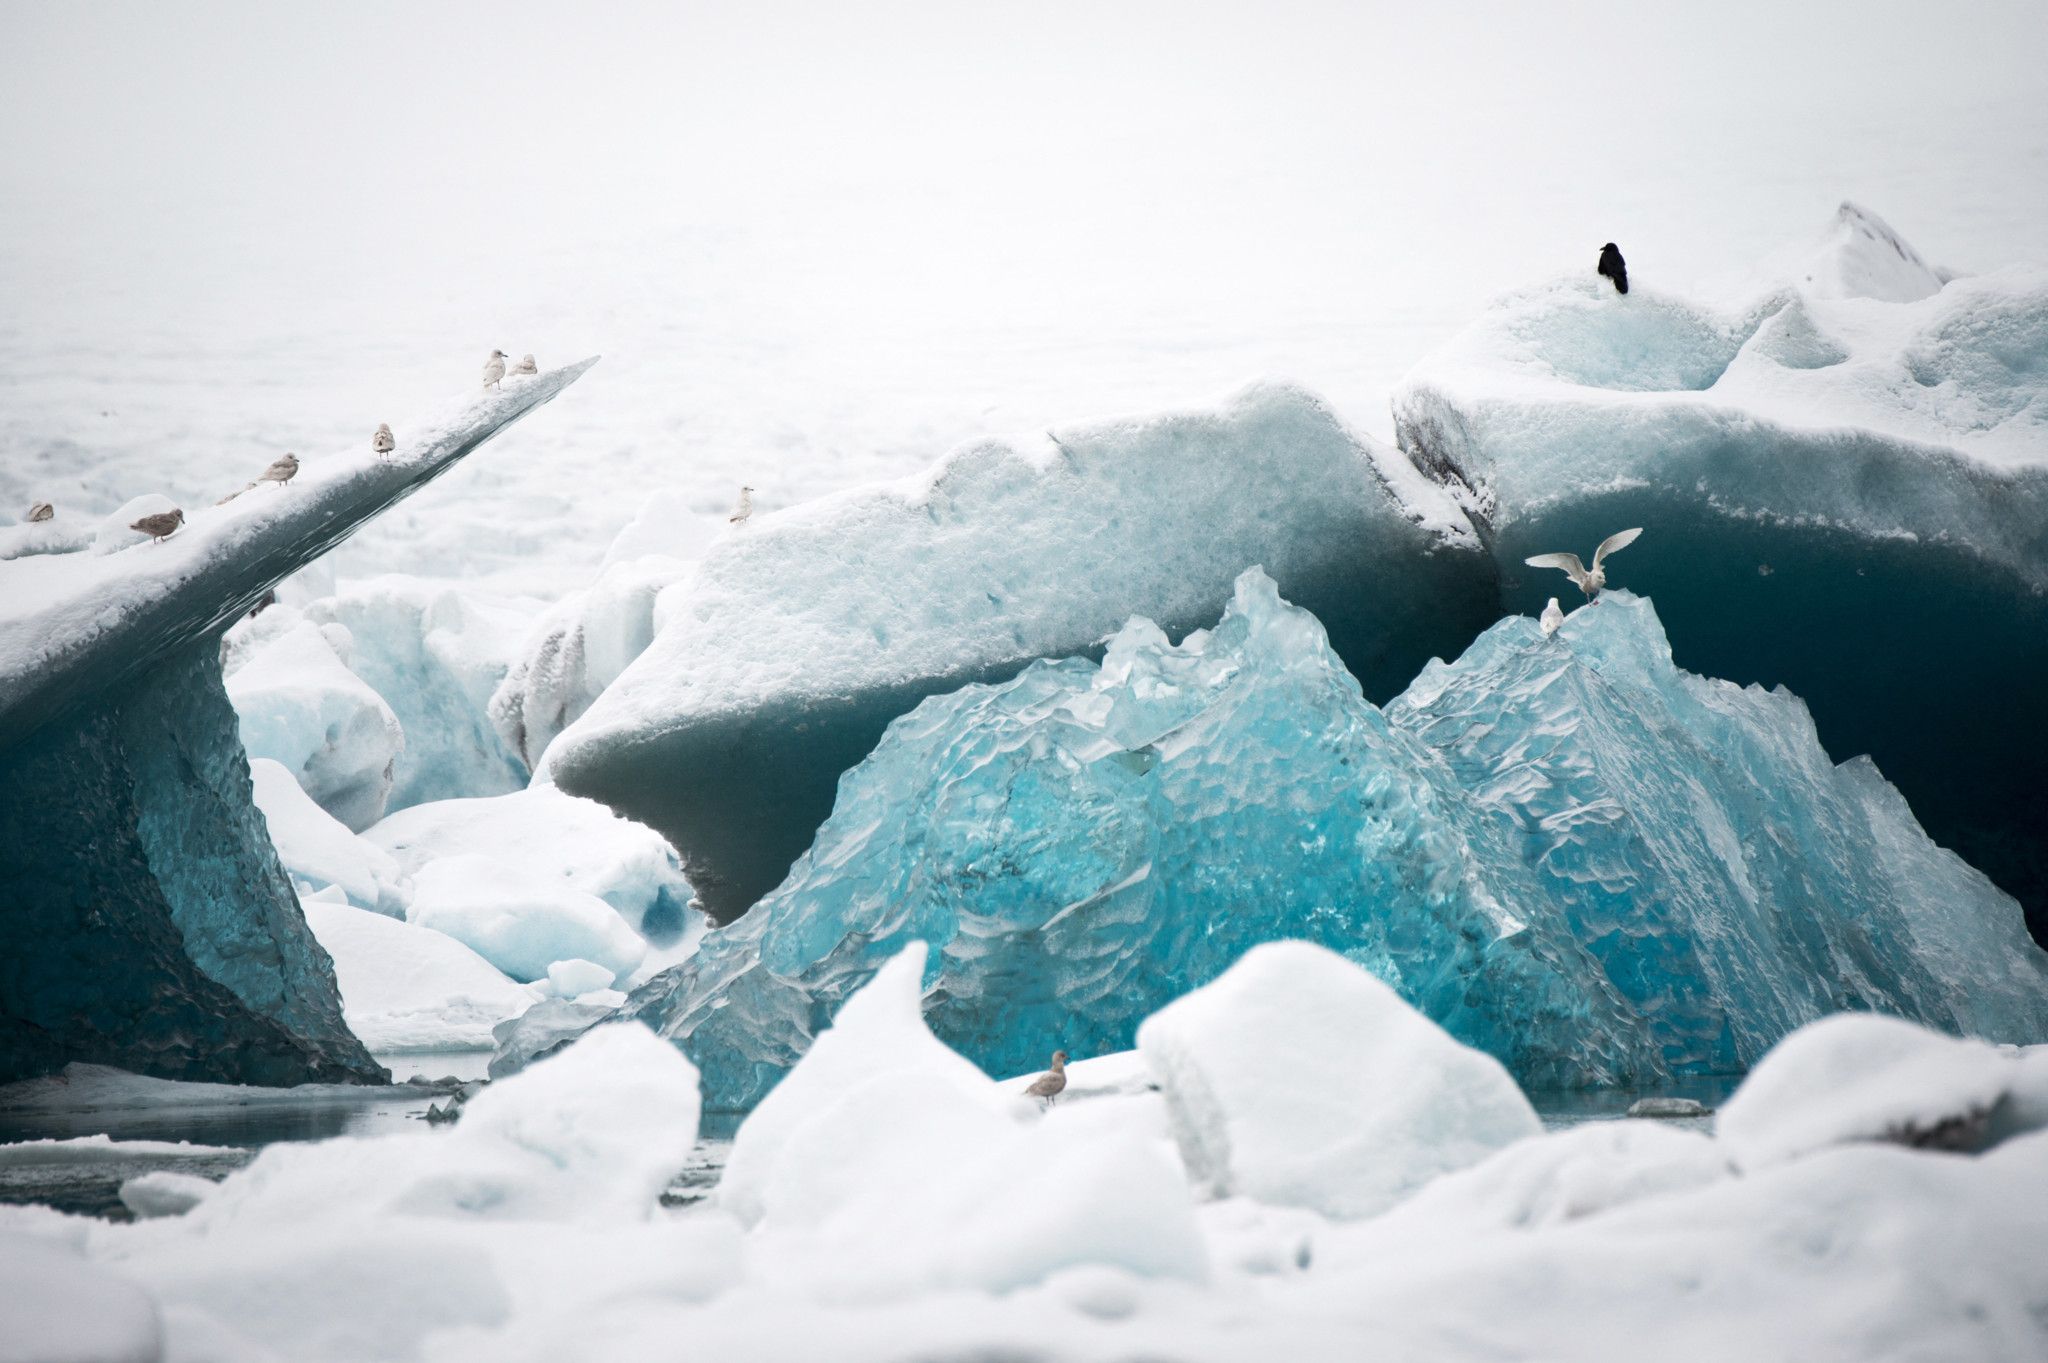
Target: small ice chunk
x,y
1863,1077
570,978
300,706
164,1192
520,924
318,849
1668,1107
1296,1077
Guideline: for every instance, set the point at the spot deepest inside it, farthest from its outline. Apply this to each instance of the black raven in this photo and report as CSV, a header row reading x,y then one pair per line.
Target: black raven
x,y
1614,267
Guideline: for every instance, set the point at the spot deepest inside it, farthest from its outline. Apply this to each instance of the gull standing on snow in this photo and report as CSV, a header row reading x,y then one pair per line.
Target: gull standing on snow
x,y
526,368
494,369
1589,581
162,525
1552,618
382,442
743,509
41,511
280,470
1047,1086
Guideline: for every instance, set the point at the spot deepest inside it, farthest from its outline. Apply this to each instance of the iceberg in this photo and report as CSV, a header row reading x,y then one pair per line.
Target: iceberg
x,y
1844,473
802,634
406,988
149,922
301,707
1566,852
434,655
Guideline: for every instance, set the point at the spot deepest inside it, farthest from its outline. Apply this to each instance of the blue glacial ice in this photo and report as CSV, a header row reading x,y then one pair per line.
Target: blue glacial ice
x,y
1844,465
147,919
800,635
1570,854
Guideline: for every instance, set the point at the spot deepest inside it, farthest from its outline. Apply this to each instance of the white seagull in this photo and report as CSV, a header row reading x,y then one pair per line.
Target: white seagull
x,y
1589,581
41,511
1551,619
525,368
744,509
494,369
383,442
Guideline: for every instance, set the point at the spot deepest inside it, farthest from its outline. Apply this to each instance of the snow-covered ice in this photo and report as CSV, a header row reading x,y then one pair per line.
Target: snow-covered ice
x,y
520,924
551,841
302,707
318,850
1297,1078
405,987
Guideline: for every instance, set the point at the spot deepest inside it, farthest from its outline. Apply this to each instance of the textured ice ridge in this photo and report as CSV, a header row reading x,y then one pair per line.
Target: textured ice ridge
x,y
1569,853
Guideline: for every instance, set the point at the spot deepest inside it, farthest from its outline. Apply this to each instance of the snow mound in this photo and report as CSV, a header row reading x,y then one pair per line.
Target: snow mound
x,y
117,528
1860,256
61,534
886,1165
520,925
301,707
434,655
554,841
164,1192
880,1031
406,988
1864,1077
318,850
802,634
1297,1078
61,1308
1566,852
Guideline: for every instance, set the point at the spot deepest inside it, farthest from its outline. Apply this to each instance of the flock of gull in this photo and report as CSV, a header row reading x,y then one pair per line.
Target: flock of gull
x,y
161,525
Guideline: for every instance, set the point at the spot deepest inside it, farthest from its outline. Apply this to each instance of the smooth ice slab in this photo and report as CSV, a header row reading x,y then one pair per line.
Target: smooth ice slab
x,y
1567,852
802,634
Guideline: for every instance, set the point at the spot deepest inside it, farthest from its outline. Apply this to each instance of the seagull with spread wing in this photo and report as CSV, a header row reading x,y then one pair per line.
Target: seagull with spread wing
x,y
1587,580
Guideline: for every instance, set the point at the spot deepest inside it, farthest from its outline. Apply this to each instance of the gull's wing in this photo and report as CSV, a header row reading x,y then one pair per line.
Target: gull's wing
x,y
1568,564
1615,543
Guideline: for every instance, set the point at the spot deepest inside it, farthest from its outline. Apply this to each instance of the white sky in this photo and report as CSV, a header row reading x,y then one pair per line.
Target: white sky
x,y
859,228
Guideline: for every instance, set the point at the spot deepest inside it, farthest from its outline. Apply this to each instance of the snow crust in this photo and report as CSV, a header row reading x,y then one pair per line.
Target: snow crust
x,y
1297,1078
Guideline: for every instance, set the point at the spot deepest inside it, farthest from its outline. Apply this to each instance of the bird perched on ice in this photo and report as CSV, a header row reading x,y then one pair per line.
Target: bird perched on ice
x,y
280,471
743,508
494,369
162,525
1587,580
526,368
1552,618
41,511
1047,1086
1614,267
383,442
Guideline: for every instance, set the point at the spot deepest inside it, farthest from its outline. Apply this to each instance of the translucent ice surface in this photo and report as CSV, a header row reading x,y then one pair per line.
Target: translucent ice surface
x,y
1568,853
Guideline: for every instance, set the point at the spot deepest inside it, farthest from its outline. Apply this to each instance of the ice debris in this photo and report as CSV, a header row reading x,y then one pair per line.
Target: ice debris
x,y
302,707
